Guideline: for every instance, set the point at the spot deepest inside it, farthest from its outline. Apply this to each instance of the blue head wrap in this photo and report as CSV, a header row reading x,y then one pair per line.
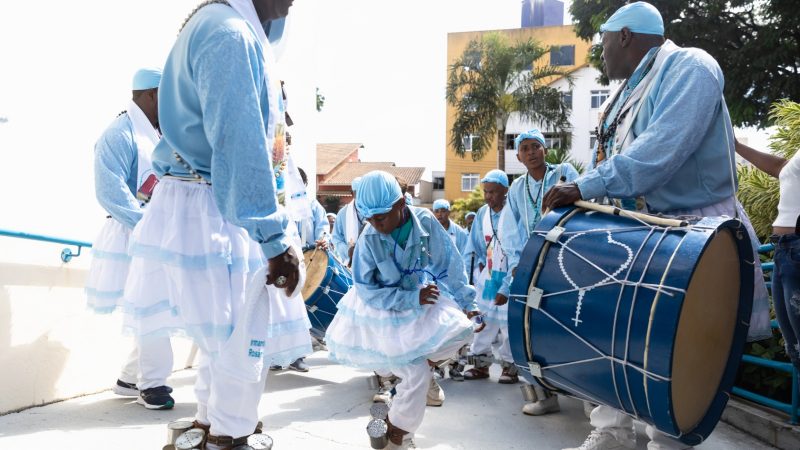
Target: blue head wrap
x,y
147,78
496,176
355,184
532,134
470,214
441,204
639,17
377,193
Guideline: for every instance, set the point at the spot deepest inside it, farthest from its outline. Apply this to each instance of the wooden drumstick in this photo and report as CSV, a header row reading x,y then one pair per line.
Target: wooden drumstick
x,y
647,218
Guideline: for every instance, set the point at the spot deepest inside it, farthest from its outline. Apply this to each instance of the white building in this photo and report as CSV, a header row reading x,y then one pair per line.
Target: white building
x,y
586,95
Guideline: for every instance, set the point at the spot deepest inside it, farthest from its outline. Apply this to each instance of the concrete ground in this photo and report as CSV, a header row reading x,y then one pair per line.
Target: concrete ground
x,y
326,408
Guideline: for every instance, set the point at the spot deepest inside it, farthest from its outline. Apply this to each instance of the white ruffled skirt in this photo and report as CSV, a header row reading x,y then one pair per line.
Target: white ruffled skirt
x,y
189,272
108,271
377,339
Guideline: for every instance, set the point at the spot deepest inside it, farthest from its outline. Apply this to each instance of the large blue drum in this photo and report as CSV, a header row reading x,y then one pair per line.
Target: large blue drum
x,y
648,319
327,280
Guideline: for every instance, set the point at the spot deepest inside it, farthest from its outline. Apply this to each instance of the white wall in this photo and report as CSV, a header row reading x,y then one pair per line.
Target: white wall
x,y
583,119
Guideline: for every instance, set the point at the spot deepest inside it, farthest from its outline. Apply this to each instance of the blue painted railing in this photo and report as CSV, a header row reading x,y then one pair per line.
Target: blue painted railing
x,y
66,255
790,409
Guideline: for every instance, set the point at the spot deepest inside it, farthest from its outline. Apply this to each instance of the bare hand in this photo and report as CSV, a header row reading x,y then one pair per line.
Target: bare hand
x,y
500,299
429,291
284,265
350,253
560,195
322,244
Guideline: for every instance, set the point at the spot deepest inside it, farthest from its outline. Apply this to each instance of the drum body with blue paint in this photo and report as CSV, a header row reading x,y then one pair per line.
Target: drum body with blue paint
x,y
327,280
650,320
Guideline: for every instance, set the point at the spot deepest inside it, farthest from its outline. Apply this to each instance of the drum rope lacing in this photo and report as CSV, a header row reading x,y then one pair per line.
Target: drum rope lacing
x,y
611,279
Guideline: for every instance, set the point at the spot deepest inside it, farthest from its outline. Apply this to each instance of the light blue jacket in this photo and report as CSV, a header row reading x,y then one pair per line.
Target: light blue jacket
x,y
683,145
319,223
461,236
213,110
116,165
388,277
520,215
339,237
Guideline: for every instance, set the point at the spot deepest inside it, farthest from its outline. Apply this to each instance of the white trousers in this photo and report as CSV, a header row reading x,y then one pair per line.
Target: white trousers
x,y
613,421
408,404
482,342
230,405
149,364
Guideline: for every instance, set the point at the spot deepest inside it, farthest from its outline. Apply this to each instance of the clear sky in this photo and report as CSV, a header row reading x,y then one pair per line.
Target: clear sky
x,y
66,70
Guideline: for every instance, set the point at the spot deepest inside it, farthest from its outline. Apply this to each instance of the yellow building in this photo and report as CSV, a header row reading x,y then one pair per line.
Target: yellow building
x,y
463,174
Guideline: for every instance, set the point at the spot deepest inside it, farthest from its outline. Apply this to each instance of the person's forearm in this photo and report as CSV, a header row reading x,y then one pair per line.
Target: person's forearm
x,y
766,162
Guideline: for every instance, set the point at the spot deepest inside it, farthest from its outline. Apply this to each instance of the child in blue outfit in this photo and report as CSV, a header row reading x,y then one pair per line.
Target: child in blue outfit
x,y
408,306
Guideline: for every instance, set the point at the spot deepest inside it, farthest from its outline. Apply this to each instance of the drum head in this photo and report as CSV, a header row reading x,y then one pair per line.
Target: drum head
x,y
316,267
705,330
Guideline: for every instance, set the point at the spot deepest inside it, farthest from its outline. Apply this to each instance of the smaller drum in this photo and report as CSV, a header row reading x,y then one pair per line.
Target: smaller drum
x,y
327,280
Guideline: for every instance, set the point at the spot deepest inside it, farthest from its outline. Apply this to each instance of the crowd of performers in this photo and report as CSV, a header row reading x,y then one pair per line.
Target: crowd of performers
x,y
215,250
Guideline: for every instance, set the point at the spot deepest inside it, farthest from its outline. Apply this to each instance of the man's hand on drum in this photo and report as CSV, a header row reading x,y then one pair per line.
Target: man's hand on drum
x,y
284,271
322,244
500,299
560,195
428,295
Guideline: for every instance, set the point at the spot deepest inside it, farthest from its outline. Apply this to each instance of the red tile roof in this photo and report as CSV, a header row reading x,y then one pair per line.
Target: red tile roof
x,y
331,155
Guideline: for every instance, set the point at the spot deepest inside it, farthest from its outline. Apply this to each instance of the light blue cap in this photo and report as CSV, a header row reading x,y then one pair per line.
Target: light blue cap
x,y
355,183
639,17
147,78
531,134
441,204
470,214
378,192
496,176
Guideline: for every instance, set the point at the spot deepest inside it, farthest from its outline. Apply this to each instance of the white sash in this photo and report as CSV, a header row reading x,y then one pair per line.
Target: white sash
x,y
146,138
296,199
622,138
495,257
351,226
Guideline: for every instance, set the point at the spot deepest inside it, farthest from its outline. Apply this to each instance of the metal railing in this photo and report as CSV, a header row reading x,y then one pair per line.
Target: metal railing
x,y
790,409
66,255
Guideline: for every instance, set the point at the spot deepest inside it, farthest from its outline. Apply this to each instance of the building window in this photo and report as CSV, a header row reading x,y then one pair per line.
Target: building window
x,y
438,183
469,181
598,97
468,104
467,141
567,97
510,141
563,55
592,140
552,140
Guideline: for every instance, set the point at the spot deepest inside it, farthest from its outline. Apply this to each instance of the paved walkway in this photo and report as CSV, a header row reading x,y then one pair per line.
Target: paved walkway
x,y
326,408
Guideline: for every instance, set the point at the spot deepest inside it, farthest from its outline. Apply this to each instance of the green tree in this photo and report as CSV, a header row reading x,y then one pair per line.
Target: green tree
x,y
758,191
757,45
462,206
494,78
561,155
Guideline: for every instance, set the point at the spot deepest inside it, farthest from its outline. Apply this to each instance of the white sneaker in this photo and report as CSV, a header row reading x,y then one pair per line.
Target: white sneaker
x,y
603,440
435,394
546,406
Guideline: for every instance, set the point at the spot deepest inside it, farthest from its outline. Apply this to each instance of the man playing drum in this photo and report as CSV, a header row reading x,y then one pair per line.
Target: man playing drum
x,y
347,227
665,145
519,219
